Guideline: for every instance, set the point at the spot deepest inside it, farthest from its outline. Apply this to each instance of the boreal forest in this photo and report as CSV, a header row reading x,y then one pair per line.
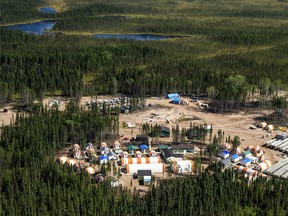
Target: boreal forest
x,y
232,52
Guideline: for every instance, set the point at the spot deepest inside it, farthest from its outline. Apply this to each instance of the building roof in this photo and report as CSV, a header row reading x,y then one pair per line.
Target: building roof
x,y
225,161
163,146
165,129
172,95
225,152
246,160
143,146
183,146
246,152
235,156
132,147
167,153
103,157
144,173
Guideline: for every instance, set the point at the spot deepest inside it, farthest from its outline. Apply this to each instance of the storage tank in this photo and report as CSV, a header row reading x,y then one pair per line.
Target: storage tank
x,y
90,170
155,168
263,166
142,160
184,166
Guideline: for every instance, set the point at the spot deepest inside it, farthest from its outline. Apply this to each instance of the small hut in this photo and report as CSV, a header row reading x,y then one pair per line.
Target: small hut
x,y
125,154
89,146
103,159
143,148
117,145
138,154
62,160
76,147
77,154
132,149
99,178
90,170
153,153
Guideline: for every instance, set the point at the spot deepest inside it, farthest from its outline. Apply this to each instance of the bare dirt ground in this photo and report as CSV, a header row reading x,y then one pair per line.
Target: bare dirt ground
x,y
164,112
232,124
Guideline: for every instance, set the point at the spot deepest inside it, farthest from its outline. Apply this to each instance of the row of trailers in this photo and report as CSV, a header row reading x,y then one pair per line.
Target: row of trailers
x,y
281,145
279,169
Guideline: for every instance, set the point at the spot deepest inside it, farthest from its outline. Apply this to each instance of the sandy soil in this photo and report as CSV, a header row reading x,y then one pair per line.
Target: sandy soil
x,y
232,124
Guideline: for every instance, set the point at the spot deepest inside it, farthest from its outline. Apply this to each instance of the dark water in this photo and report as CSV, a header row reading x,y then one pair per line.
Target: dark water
x,y
49,10
143,37
37,28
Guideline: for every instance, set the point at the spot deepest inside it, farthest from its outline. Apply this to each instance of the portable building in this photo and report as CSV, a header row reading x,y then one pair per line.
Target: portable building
x,y
76,147
260,156
165,131
281,136
89,146
125,154
252,159
246,153
103,159
246,171
153,153
138,154
184,166
62,160
143,148
172,95
77,154
235,158
224,154
116,145
90,170
245,162
176,100
142,160
225,163
253,149
70,162
155,168
263,166
263,124
184,102
144,176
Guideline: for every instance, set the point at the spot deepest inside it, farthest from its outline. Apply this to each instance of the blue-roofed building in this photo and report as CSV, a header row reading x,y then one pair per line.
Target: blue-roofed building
x,y
103,159
235,158
245,162
143,148
172,95
176,100
224,154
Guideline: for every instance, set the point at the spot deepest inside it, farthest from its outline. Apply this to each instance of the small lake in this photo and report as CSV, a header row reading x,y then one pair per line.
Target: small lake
x,y
142,37
47,10
37,28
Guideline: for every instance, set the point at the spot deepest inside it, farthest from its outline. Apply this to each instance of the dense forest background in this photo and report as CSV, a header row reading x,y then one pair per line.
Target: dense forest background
x,y
31,183
232,52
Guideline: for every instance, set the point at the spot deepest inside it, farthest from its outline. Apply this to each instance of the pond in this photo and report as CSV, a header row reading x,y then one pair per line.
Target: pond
x,y
47,10
143,37
37,28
